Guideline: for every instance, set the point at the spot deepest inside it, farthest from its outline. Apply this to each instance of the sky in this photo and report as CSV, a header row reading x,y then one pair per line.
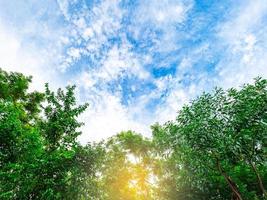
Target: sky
x,y
136,62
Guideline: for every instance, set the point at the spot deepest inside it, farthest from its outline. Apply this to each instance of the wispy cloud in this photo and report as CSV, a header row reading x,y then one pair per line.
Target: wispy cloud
x,y
15,56
135,62
30,40
244,41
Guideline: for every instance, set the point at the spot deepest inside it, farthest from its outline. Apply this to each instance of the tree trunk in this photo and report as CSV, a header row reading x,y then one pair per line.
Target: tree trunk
x,y
264,193
235,192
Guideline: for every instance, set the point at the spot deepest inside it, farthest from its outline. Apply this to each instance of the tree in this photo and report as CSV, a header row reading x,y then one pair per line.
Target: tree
x,y
40,157
215,149
219,135
20,142
126,173
249,120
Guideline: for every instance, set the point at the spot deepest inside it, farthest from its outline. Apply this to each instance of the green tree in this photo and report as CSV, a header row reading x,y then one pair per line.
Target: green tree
x,y
249,121
20,142
40,157
126,173
215,149
219,136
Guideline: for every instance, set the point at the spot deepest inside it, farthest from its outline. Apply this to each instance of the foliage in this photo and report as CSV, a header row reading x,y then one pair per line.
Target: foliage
x,y
219,141
40,157
215,149
126,173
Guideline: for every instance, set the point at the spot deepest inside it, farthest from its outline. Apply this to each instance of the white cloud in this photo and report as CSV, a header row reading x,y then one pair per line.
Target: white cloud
x,y
32,42
162,16
242,39
74,53
93,27
88,32
15,57
118,62
245,39
162,13
108,117
107,114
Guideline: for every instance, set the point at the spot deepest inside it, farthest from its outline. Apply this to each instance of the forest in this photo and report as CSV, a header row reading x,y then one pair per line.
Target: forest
x,y
215,149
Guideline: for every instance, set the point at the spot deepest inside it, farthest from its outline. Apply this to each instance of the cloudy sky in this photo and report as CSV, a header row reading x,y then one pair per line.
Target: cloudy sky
x,y
136,62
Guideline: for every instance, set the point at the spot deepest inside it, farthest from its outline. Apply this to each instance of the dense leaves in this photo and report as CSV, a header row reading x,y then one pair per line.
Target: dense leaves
x,y
219,144
40,157
126,173
215,149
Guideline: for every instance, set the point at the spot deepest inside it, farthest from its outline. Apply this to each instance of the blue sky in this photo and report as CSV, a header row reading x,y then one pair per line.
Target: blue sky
x,y
135,62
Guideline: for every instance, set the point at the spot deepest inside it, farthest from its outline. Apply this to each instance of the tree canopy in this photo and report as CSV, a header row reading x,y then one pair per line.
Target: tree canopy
x,y
215,149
